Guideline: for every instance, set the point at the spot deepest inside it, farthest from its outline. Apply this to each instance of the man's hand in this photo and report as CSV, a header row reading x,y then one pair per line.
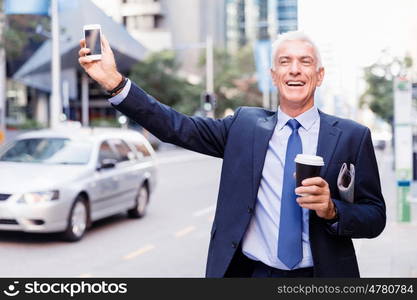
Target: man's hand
x,y
103,71
316,197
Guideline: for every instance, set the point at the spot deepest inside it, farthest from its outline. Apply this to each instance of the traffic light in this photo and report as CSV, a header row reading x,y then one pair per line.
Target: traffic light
x,y
208,101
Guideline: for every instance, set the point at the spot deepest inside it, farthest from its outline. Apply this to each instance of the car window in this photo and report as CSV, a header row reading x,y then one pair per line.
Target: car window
x,y
106,152
141,148
48,151
122,150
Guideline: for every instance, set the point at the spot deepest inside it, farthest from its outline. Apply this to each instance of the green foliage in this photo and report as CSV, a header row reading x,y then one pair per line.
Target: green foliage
x,y
378,95
234,84
379,79
20,32
158,75
105,122
27,124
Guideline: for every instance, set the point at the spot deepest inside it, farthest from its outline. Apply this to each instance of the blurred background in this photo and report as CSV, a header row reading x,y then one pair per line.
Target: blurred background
x,y
203,58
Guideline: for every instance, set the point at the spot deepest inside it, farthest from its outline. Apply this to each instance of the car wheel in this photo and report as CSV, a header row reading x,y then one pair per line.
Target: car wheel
x,y
77,221
142,199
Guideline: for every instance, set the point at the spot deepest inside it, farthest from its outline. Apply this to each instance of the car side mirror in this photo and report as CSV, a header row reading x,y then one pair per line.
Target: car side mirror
x,y
107,163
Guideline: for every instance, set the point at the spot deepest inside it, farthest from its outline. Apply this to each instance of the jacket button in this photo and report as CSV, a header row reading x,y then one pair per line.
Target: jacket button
x,y
250,210
234,244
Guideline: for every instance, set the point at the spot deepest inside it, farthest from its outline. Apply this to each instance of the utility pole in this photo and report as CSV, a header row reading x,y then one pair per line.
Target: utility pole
x,y
3,87
209,65
209,78
55,100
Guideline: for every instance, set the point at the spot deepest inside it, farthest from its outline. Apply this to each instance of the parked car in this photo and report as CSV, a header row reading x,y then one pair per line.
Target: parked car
x,y
63,180
381,139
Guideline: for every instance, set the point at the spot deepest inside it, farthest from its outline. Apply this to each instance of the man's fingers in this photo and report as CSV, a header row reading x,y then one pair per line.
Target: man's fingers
x,y
105,44
309,199
314,181
82,43
84,51
311,189
313,206
84,60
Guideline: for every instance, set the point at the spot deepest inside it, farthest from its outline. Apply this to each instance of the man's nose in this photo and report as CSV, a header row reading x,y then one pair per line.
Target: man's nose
x,y
295,68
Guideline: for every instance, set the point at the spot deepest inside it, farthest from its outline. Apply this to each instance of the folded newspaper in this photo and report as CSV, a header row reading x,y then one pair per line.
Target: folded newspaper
x,y
346,182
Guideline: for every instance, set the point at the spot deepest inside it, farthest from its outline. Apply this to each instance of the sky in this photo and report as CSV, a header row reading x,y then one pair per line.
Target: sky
x,y
351,34
361,28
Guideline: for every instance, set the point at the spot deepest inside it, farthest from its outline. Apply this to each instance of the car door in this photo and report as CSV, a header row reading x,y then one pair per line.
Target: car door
x,y
107,183
126,173
145,163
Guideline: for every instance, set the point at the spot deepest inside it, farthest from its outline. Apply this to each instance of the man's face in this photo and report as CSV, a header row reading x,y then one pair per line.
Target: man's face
x,y
296,75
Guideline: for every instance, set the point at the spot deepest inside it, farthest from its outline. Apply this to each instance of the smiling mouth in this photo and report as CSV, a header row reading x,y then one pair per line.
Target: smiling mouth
x,y
295,83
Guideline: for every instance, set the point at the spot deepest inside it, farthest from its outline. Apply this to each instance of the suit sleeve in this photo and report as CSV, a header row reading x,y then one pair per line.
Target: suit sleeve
x,y
365,217
204,135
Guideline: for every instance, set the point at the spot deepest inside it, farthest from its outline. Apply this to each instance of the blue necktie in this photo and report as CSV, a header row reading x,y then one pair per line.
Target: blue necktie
x,y
290,250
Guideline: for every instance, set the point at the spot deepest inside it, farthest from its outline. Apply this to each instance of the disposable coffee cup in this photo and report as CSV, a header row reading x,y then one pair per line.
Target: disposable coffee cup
x,y
307,166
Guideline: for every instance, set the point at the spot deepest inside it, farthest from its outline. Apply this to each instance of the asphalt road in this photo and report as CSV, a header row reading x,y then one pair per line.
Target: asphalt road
x,y
171,241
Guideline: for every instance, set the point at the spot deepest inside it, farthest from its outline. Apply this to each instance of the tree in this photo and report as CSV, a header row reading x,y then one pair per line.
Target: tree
x,y
158,75
234,82
379,79
21,38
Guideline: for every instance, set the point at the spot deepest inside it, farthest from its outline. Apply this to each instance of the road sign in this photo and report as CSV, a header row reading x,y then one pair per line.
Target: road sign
x,y
403,146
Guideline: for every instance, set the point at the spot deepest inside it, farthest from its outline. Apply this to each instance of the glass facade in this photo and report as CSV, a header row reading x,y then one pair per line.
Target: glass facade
x,y
249,20
241,22
287,12
263,20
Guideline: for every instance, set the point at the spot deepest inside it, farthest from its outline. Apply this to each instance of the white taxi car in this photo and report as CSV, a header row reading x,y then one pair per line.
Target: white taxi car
x,y
63,180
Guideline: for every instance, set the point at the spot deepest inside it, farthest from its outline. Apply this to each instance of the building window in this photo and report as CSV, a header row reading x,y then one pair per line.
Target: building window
x,y
158,21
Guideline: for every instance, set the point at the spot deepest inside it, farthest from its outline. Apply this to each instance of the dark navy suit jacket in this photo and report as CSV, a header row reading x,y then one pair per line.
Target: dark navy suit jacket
x,y
242,141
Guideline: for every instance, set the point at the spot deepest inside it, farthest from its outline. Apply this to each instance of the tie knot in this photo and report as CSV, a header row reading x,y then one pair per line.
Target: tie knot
x,y
294,124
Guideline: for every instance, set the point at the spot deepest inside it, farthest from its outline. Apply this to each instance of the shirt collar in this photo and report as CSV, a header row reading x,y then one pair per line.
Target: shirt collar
x,y
306,119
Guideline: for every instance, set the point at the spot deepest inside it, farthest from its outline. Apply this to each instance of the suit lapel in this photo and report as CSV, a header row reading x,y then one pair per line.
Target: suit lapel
x,y
328,139
264,129
327,142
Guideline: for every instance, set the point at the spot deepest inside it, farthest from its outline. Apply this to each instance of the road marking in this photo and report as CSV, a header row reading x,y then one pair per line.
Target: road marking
x,y
184,231
138,252
204,211
85,275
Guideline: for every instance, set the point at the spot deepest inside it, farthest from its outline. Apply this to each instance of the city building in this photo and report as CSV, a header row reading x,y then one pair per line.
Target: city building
x,y
251,20
29,91
287,12
179,25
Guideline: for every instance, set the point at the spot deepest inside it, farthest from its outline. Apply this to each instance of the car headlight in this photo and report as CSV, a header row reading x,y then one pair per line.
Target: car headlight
x,y
38,197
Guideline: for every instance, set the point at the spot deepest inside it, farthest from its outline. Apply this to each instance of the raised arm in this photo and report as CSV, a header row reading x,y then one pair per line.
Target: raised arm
x,y
204,135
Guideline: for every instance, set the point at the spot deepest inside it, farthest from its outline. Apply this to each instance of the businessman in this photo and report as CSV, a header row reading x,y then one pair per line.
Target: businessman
x,y
261,227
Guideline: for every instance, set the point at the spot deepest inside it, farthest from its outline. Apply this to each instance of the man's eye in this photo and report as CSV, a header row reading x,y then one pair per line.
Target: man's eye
x,y
283,62
307,62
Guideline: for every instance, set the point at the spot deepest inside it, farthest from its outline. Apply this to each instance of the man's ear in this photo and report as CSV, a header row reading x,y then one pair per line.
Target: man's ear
x,y
320,76
273,75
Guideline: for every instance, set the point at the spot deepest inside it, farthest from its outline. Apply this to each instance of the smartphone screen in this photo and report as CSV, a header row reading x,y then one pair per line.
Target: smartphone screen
x,y
92,40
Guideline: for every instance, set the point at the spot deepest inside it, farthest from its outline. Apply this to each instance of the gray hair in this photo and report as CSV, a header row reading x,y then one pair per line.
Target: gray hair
x,y
294,36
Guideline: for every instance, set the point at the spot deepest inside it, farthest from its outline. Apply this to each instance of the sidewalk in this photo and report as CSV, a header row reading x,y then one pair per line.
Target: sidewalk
x,y
394,252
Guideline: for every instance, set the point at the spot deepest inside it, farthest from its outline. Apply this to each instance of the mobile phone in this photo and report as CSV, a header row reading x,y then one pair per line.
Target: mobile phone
x,y
92,36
